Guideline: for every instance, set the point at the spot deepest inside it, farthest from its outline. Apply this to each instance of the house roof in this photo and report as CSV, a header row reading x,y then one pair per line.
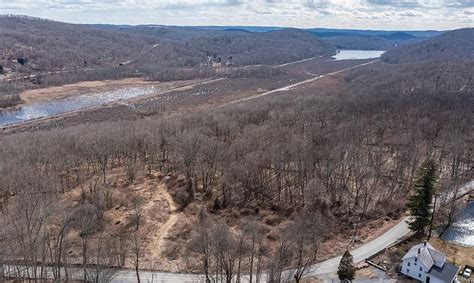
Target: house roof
x,y
445,273
427,255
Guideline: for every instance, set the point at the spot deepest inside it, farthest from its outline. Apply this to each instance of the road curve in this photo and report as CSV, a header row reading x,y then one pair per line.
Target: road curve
x,y
321,270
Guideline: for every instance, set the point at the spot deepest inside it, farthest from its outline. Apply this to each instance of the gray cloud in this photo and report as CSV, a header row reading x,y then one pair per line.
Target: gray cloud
x,y
396,3
317,4
461,4
370,14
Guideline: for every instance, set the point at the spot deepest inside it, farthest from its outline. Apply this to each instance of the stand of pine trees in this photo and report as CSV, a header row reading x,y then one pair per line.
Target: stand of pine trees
x,y
420,203
346,269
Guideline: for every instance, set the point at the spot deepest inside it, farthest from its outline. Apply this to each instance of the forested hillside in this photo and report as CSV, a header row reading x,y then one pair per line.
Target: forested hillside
x,y
457,44
246,175
370,40
32,44
240,46
361,43
249,171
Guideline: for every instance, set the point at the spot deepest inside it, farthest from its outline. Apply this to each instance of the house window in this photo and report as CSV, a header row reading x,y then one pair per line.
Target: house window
x,y
408,270
421,269
416,259
408,264
415,264
419,275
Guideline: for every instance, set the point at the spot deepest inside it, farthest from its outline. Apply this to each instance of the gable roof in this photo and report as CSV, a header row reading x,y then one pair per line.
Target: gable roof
x,y
427,255
445,273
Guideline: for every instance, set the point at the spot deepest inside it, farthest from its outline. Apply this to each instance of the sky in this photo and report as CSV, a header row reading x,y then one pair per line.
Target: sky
x,y
352,14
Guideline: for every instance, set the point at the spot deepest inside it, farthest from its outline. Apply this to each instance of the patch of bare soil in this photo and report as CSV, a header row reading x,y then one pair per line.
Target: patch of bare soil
x,y
157,209
165,229
457,254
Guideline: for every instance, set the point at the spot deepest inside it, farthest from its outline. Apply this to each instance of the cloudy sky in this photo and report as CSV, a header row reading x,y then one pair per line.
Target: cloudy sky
x,y
367,14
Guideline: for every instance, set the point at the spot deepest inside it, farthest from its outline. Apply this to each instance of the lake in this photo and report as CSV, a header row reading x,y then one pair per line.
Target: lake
x,y
42,109
462,230
357,54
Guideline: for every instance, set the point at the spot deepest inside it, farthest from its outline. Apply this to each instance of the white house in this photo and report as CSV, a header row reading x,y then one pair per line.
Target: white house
x,y
425,264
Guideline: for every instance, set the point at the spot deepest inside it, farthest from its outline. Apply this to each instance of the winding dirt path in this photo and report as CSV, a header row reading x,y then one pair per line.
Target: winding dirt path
x,y
163,231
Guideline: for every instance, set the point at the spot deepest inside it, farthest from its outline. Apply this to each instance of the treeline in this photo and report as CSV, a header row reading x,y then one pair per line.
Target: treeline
x,y
176,74
52,46
347,155
9,94
456,44
190,46
148,72
31,45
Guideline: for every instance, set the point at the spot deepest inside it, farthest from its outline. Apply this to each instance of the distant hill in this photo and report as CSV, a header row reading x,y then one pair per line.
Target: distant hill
x,y
365,40
273,47
49,45
457,44
245,47
325,32
31,45
329,32
361,43
398,36
170,32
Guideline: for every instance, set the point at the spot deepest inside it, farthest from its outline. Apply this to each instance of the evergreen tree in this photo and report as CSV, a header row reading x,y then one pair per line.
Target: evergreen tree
x,y
346,269
420,202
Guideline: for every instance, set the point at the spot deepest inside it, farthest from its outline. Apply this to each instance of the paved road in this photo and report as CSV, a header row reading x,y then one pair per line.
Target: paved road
x,y
321,270
390,237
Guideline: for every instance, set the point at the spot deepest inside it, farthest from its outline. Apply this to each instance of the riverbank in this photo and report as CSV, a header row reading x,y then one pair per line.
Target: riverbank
x,y
461,231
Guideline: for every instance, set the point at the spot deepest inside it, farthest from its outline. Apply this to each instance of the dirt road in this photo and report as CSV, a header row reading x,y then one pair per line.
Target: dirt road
x,y
166,227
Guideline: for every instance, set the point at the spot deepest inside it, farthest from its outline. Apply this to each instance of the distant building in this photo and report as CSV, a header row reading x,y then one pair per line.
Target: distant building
x,y
425,264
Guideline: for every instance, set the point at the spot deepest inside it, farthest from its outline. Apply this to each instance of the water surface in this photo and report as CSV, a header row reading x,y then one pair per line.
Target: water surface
x,y
357,54
43,109
462,230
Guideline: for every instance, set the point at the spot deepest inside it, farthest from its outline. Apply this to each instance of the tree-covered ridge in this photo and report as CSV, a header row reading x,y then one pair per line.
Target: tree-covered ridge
x,y
456,44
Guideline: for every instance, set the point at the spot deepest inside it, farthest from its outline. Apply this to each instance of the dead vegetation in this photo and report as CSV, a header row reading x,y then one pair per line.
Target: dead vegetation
x,y
258,186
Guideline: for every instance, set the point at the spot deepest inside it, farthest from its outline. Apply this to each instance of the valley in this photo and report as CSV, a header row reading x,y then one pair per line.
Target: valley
x,y
187,154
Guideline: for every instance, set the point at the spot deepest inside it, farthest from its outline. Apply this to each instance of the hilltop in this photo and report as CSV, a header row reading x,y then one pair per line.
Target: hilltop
x,y
457,44
36,45
46,45
245,47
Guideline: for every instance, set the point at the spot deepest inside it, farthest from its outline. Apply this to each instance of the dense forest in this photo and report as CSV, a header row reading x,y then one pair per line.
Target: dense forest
x,y
311,157
27,43
343,156
457,44
31,44
40,53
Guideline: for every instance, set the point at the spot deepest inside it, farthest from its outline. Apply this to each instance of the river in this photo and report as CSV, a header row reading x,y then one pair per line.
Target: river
x,y
35,110
42,109
461,232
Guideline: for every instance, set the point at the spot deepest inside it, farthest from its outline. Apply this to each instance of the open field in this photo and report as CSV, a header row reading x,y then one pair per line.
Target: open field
x,y
172,97
91,87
